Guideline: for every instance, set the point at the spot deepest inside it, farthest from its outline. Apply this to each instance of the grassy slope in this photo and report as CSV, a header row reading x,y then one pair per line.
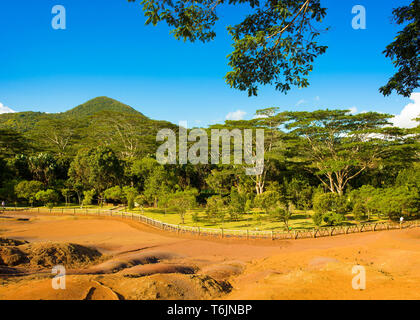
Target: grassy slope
x,y
252,221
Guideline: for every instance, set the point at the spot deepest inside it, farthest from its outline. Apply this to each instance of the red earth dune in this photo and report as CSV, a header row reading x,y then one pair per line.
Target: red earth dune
x,y
139,262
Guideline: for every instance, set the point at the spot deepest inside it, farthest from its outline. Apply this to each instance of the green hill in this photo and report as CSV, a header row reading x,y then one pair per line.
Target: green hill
x,y
99,104
22,121
93,122
26,121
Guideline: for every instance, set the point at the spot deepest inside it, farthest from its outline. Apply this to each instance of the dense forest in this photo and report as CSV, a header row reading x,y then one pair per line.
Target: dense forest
x,y
329,161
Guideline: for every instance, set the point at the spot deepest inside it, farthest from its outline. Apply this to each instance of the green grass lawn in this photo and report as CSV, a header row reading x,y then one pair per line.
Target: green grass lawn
x,y
253,221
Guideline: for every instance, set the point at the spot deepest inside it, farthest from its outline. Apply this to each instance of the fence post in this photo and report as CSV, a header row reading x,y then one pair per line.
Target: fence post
x,y
222,233
247,234
272,235
314,233
178,229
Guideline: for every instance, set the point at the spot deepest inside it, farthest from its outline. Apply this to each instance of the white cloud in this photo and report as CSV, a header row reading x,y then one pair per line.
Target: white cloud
x,y
4,109
353,110
236,115
301,101
259,116
408,113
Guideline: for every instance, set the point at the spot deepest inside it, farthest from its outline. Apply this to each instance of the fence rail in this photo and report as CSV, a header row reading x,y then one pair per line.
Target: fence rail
x,y
229,233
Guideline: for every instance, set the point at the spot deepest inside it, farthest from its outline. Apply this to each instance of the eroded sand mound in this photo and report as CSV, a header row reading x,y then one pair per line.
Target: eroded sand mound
x,y
150,269
45,255
131,260
68,254
223,271
77,288
172,286
304,269
11,242
12,256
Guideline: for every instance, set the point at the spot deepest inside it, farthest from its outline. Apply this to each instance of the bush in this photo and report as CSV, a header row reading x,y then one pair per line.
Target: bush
x,y
330,202
237,204
88,197
363,201
115,194
267,201
359,210
395,202
28,189
317,218
47,197
215,207
332,218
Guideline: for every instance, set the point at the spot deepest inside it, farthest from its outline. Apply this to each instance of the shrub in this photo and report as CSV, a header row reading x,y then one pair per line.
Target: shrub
x,y
88,197
332,218
237,204
28,189
115,194
330,202
267,201
215,208
47,197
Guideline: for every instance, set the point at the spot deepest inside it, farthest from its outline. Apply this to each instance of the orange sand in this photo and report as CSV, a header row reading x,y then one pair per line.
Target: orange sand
x,y
185,267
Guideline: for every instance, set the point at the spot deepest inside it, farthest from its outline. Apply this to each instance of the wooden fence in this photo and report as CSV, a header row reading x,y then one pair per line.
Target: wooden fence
x,y
228,233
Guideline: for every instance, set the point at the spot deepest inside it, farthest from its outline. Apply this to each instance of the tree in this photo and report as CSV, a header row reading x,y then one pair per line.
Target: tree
x,y
395,202
404,52
269,122
330,202
221,180
157,184
363,203
300,193
12,143
131,135
182,201
284,214
267,201
47,197
215,208
317,218
57,135
28,190
237,204
97,168
114,193
331,207
67,193
88,197
130,194
164,197
43,167
274,44
338,146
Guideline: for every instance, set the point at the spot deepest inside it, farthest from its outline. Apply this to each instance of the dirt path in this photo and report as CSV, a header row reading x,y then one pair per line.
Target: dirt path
x,y
302,269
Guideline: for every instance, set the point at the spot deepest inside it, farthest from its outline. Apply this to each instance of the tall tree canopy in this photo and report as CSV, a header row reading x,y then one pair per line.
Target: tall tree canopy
x,y
338,146
404,52
274,44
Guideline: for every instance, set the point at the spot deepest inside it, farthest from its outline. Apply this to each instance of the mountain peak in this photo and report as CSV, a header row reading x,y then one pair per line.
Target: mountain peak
x,y
99,104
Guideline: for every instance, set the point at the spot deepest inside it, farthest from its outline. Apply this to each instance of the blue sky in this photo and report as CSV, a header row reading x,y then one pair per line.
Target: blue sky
x,y
107,50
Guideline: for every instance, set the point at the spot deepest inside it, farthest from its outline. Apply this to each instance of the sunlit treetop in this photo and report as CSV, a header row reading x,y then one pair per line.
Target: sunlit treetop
x,y
275,44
